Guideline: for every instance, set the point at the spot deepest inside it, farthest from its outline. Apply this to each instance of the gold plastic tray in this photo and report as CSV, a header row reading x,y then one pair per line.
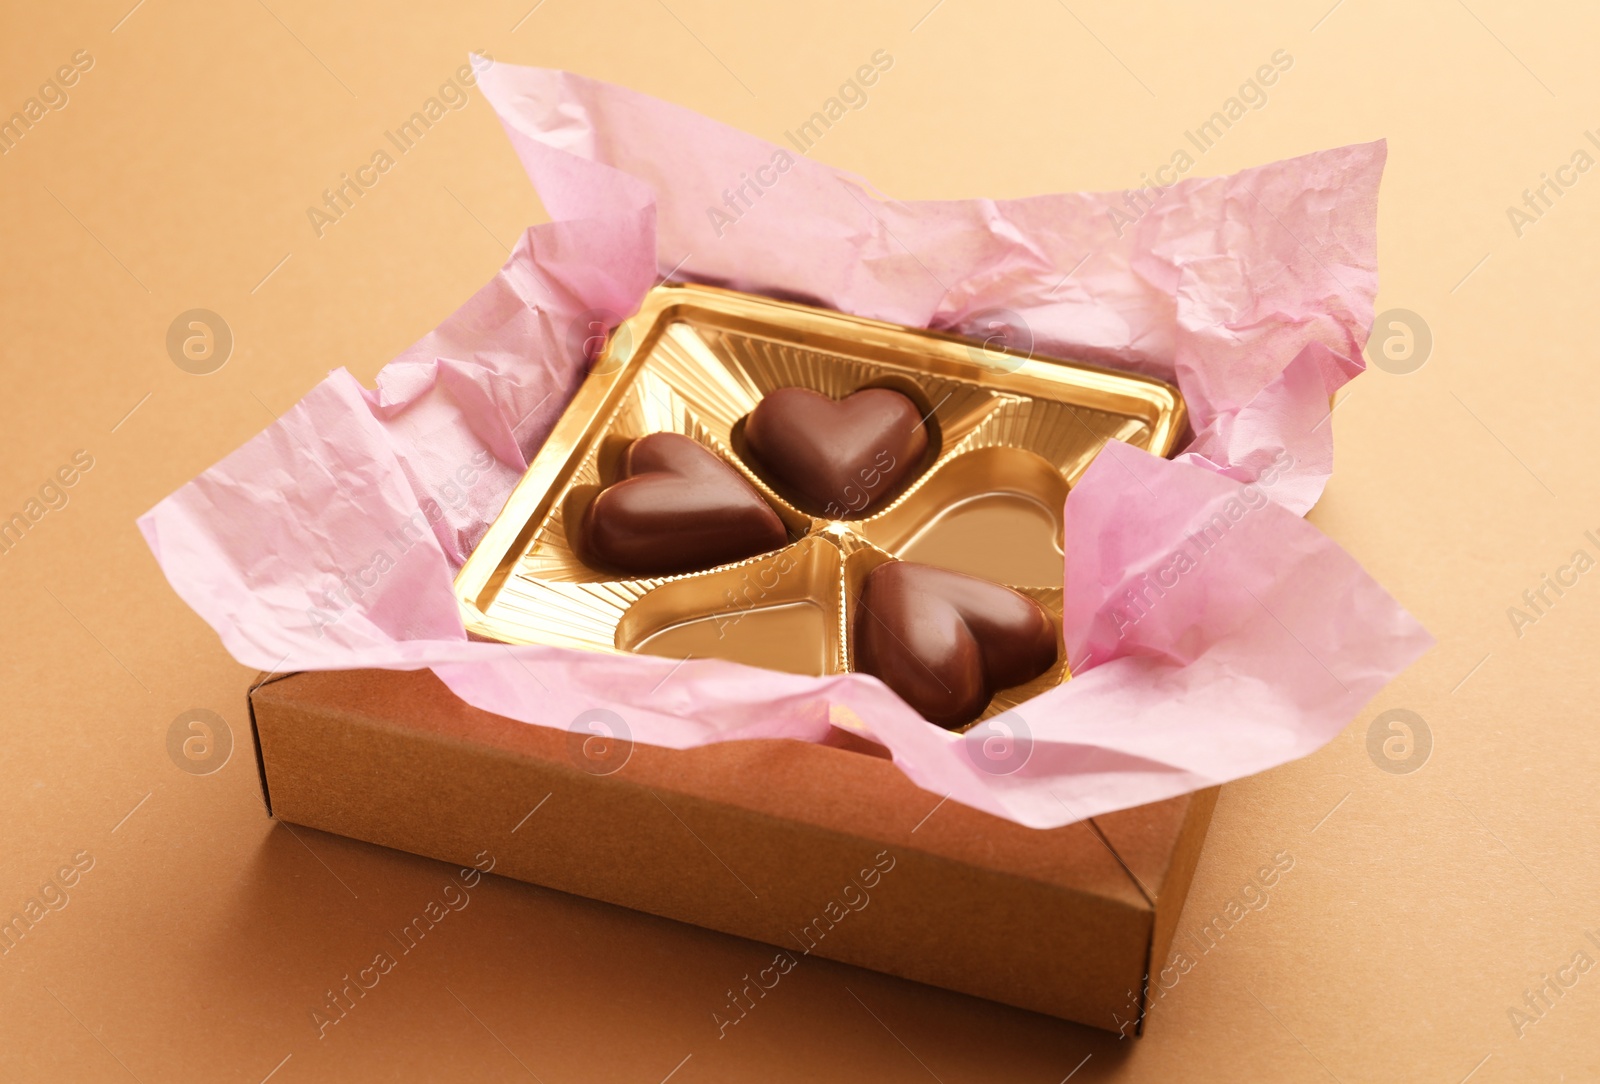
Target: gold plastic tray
x,y
1009,434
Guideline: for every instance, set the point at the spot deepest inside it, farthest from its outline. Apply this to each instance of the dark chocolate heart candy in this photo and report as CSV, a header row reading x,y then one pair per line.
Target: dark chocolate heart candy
x,y
946,642
678,508
840,458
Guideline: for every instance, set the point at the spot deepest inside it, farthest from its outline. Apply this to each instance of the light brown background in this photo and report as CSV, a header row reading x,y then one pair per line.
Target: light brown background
x,y
1420,906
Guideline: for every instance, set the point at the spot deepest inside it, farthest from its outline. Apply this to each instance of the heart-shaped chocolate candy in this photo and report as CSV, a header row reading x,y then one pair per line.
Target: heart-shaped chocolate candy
x,y
840,458
946,642
678,508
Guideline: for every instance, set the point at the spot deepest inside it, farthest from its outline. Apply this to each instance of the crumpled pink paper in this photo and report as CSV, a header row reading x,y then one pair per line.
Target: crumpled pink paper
x,y
1212,632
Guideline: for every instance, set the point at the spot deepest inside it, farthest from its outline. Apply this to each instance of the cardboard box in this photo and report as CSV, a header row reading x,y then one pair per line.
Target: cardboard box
x,y
823,850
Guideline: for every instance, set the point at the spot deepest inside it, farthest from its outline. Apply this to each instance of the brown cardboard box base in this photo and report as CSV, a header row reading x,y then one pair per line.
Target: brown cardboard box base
x,y
811,848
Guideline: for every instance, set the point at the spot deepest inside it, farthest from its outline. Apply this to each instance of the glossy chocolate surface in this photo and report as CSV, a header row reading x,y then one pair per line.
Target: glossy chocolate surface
x,y
839,458
677,508
947,642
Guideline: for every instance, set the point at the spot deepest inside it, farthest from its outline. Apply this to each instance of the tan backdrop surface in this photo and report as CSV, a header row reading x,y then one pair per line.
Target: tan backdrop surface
x,y
1431,887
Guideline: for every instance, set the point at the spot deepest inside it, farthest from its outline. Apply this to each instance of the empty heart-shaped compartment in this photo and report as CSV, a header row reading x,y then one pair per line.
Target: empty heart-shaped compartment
x,y
993,512
780,611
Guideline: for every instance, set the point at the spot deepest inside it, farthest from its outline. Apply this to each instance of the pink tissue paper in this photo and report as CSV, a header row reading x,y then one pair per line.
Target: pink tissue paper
x,y
1211,631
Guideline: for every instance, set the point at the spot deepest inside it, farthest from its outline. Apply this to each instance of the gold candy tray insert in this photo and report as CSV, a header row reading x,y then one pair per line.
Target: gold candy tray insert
x,y
1008,436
